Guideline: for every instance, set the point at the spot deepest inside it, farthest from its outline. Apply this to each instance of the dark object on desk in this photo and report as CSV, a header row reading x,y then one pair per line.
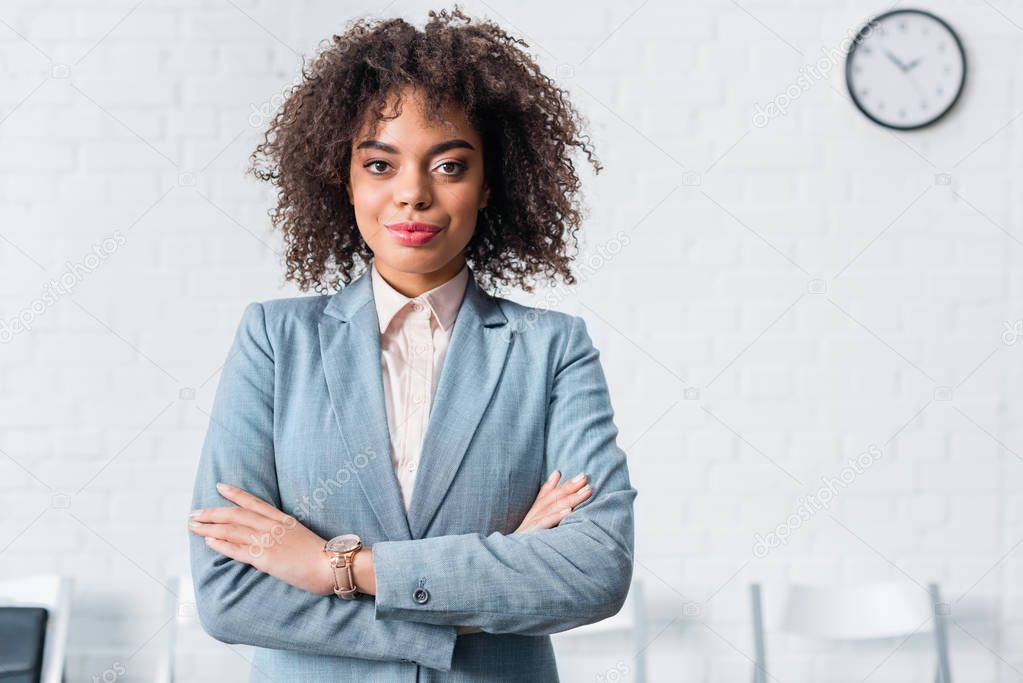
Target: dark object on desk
x,y
22,637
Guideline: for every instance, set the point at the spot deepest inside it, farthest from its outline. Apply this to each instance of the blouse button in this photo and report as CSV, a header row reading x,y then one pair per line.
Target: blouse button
x,y
411,467
421,595
416,306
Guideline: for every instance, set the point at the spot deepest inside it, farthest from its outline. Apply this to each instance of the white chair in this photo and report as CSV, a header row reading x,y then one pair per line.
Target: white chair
x,y
172,616
185,647
630,620
860,612
53,593
180,616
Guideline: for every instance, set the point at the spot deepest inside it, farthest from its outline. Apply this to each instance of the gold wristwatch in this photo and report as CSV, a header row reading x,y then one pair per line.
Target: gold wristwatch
x,y
341,552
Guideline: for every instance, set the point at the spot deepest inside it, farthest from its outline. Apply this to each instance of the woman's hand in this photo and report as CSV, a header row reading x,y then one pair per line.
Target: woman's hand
x,y
257,533
554,502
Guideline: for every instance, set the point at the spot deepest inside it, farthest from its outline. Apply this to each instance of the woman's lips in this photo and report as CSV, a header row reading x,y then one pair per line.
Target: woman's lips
x,y
413,234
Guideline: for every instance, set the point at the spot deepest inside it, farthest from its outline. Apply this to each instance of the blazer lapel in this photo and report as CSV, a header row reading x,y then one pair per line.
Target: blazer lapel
x,y
350,351
473,363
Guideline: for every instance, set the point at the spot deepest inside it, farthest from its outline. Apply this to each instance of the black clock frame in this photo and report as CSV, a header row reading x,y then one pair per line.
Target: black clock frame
x,y
856,43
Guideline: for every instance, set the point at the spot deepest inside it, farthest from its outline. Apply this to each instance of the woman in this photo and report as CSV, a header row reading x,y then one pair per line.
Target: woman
x,y
366,504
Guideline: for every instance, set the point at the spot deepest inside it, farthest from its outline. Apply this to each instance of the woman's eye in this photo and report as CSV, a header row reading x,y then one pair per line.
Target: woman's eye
x,y
373,164
456,168
448,168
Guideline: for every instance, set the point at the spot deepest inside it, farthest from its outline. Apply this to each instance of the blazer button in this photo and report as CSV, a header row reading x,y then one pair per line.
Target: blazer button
x,y
421,595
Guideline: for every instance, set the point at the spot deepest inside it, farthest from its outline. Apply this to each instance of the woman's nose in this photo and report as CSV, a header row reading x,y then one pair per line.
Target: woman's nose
x,y
413,191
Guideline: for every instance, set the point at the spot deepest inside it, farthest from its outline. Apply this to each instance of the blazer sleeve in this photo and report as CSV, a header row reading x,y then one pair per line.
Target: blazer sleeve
x,y
237,603
544,581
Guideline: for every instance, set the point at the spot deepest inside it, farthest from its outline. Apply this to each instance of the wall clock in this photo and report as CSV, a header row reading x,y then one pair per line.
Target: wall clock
x,y
905,69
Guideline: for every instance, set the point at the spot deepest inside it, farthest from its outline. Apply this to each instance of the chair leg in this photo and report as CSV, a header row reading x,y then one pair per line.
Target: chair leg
x,y
944,672
760,660
639,632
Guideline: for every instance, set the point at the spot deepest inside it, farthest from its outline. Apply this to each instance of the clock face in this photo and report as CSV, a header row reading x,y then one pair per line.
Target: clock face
x,y
905,69
343,543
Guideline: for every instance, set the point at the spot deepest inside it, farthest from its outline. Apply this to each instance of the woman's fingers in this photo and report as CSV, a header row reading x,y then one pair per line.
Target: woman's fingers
x,y
229,549
551,489
568,493
555,502
250,502
551,482
581,495
573,484
233,533
232,515
547,521
567,499
246,530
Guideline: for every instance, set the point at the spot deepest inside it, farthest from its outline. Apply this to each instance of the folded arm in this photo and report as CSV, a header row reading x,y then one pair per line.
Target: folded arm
x,y
545,581
237,603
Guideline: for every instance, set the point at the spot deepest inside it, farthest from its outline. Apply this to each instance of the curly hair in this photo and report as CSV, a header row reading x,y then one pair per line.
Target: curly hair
x,y
528,126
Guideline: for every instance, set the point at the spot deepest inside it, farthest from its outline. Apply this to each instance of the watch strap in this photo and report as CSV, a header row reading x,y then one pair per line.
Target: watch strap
x,y
344,576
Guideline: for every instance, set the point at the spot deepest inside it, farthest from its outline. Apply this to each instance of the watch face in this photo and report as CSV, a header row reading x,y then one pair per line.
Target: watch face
x,y
343,543
905,69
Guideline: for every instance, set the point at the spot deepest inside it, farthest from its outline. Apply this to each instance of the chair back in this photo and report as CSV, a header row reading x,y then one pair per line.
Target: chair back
x,y
884,609
858,612
53,593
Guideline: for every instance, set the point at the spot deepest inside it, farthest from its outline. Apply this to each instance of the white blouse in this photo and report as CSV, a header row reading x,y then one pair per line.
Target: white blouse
x,y
414,337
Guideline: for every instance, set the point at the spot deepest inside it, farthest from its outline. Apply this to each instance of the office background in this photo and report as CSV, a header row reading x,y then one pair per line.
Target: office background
x,y
785,303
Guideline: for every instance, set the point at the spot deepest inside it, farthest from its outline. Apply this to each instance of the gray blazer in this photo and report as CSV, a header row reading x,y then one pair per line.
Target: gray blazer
x,y
299,420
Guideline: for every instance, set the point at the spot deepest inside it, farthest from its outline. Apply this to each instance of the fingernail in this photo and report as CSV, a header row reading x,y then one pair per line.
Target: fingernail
x,y
551,477
222,487
565,511
578,478
195,513
586,489
194,524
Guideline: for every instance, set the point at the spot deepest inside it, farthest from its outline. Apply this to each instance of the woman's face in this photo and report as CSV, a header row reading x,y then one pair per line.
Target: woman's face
x,y
412,170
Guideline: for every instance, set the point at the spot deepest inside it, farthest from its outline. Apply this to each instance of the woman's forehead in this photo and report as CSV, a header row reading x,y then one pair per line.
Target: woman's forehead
x,y
412,127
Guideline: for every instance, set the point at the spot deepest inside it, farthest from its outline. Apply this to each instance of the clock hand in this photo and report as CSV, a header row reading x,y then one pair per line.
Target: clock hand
x,y
913,64
919,90
895,59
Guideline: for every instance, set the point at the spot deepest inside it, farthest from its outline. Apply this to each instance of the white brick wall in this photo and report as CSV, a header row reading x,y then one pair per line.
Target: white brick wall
x,y
136,120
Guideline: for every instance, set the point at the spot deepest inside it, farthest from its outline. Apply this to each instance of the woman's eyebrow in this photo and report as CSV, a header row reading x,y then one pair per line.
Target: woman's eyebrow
x,y
436,149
